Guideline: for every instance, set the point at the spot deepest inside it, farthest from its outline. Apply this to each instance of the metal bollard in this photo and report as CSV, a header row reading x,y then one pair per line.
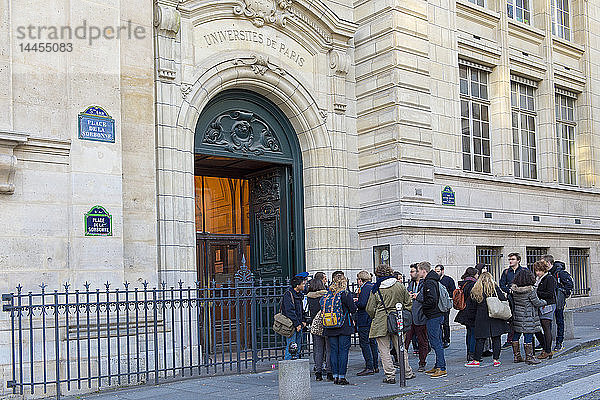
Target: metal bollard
x,y
401,350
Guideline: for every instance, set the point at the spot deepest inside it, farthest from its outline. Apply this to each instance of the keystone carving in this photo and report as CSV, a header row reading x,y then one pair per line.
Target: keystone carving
x,y
263,12
259,64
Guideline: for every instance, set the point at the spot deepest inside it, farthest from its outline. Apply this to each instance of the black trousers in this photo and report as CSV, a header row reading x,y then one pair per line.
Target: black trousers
x,y
545,337
446,328
496,345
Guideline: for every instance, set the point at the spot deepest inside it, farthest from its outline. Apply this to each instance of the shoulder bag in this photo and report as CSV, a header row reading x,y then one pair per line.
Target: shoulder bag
x,y
498,309
392,318
282,324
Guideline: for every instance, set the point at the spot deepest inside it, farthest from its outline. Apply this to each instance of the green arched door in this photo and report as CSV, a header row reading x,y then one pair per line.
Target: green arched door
x,y
242,140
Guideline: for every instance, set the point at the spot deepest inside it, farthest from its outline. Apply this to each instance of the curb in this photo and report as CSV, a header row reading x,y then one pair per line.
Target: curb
x,y
581,346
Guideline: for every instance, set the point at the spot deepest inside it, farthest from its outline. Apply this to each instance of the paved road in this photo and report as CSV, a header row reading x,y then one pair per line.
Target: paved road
x,y
567,376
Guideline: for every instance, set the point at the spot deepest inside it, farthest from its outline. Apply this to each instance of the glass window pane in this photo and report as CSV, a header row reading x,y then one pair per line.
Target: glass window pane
x,y
466,162
485,147
474,89
464,108
483,92
476,113
478,164
464,87
485,130
486,165
466,142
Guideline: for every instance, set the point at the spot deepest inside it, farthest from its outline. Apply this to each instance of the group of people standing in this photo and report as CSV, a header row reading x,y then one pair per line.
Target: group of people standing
x,y
534,298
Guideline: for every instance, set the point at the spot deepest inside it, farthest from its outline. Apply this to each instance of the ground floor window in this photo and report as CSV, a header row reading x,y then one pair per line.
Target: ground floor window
x,y
579,259
492,258
533,254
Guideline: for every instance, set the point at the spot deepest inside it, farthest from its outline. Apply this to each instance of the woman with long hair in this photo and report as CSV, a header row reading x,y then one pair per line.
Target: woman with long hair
x,y
546,290
339,338
466,316
526,319
485,326
316,290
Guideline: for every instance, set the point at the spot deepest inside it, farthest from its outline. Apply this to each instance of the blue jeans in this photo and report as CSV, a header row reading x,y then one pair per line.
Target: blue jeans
x,y
434,332
559,314
527,337
340,346
470,340
368,347
296,337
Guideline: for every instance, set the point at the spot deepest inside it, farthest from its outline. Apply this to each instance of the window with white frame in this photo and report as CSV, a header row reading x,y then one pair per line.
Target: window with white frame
x,y
519,10
478,2
475,119
565,138
523,129
561,20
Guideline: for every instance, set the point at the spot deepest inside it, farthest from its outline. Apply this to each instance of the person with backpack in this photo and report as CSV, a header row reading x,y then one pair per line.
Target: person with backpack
x,y
336,307
564,288
450,286
526,319
291,307
386,292
436,302
418,330
316,290
486,326
467,308
546,290
368,346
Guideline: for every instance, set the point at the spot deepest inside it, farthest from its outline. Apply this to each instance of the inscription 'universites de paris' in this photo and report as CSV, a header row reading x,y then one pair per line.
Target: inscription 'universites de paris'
x,y
235,35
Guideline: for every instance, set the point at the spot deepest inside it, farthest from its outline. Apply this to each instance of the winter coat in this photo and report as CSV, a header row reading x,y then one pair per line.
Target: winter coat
x,y
362,317
508,275
546,289
526,318
291,306
448,283
466,317
392,292
347,328
314,302
485,326
431,295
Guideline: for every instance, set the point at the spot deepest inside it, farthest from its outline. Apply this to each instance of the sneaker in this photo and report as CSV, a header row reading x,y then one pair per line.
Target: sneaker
x,y
497,363
412,375
318,376
506,345
446,345
391,381
416,353
432,371
559,347
421,368
440,373
343,381
330,377
472,364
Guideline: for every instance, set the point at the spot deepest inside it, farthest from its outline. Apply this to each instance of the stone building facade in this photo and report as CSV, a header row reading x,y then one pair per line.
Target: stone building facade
x,y
298,135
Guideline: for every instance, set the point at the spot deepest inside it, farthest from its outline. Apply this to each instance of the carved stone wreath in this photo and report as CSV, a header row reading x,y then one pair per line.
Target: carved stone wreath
x,y
263,12
240,131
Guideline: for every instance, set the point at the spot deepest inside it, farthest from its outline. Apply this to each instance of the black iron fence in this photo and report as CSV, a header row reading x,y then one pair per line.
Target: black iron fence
x,y
82,340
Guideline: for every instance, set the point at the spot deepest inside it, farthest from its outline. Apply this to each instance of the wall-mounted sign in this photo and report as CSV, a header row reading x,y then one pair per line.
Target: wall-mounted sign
x,y
96,124
98,222
448,197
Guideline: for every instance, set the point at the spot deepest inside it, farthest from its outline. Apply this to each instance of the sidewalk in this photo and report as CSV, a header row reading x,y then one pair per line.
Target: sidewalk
x,y
265,386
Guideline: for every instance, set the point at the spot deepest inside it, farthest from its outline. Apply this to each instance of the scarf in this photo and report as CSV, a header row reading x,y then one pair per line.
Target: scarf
x,y
378,283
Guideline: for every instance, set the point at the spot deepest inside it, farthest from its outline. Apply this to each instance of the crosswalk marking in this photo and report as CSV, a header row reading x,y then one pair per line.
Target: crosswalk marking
x,y
569,390
533,374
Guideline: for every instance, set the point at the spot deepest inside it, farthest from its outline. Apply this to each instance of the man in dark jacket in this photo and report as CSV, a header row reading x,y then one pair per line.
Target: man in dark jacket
x,y
450,285
431,297
363,325
508,275
418,330
564,288
291,307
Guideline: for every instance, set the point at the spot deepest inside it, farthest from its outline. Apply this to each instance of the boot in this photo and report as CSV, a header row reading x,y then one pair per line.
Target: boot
x,y
529,357
517,352
545,355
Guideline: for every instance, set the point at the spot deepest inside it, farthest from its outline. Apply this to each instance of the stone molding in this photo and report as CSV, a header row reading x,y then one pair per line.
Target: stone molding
x,y
340,63
167,21
8,161
259,64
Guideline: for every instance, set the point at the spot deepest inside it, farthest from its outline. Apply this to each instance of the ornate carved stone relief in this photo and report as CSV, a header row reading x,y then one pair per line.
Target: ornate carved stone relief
x,y
8,161
167,21
263,12
259,64
340,64
242,132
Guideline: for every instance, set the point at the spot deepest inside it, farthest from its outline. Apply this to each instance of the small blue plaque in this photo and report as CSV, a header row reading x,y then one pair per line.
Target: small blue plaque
x,y
448,197
96,124
98,222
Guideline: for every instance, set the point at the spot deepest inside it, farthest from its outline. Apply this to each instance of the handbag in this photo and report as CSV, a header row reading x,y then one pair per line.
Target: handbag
x,y
498,309
546,309
392,318
316,328
282,324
